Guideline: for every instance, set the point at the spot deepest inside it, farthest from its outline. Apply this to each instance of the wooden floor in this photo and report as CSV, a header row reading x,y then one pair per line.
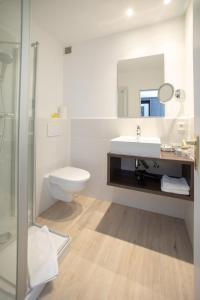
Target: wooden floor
x,y
119,253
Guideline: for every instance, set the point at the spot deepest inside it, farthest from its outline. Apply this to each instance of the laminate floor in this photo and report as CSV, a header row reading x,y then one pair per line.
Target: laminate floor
x,y
119,253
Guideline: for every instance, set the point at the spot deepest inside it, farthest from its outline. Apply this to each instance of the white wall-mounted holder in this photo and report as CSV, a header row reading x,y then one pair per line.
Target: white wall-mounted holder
x,y
179,94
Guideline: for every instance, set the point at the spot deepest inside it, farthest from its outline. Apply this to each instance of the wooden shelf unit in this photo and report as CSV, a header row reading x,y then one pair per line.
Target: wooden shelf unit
x,y
118,177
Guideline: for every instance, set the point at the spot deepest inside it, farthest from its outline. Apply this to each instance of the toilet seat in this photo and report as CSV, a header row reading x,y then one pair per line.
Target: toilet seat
x,y
69,174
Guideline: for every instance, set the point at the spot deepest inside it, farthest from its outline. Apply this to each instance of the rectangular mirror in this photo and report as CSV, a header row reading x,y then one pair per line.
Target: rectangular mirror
x,y
138,82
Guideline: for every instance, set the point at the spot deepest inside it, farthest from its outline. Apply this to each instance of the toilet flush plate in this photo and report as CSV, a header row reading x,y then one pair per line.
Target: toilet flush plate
x,y
54,128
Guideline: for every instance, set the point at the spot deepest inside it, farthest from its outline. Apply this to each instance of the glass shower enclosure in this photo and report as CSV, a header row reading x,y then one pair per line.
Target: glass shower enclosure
x,y
15,160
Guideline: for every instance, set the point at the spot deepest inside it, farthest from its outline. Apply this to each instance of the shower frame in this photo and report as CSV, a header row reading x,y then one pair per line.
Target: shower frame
x,y
22,203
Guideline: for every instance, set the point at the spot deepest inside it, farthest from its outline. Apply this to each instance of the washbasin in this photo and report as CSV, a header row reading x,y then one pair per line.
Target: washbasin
x,y
133,145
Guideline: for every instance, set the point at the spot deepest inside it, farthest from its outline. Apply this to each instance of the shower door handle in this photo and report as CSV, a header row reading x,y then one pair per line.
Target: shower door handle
x,y
35,47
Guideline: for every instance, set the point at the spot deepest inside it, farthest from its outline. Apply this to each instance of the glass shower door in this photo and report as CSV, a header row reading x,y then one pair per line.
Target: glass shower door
x,y
10,47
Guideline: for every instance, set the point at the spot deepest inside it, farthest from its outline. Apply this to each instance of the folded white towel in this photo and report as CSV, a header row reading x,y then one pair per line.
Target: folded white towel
x,y
42,257
175,191
174,184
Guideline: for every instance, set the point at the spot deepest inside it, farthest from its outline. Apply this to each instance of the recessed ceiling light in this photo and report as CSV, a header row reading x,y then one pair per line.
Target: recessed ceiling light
x,y
166,2
129,12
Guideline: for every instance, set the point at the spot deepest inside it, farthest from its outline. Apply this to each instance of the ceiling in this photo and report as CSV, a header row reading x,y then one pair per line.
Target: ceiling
x,y
73,21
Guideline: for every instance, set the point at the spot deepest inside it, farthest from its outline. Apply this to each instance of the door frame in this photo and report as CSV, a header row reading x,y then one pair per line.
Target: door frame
x,y
196,60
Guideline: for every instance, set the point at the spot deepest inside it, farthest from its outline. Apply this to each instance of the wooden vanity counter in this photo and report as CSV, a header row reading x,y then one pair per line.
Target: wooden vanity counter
x,y
118,177
171,156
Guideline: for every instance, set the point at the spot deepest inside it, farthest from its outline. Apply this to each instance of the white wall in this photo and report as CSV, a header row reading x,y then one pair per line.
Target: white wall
x,y
90,74
50,72
189,77
51,152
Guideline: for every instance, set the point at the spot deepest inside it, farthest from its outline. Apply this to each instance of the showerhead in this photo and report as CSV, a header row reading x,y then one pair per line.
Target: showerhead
x,y
5,59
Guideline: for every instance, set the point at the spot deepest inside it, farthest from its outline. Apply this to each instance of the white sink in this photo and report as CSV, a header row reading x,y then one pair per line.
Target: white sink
x,y
132,145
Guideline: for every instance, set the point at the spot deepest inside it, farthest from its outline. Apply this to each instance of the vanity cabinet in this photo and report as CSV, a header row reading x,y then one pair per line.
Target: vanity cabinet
x,y
167,164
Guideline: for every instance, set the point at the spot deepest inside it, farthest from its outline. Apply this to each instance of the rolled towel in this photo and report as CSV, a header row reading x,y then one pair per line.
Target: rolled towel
x,y
175,185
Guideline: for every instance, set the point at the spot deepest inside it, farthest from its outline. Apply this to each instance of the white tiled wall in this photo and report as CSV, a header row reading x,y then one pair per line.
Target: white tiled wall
x,y
51,153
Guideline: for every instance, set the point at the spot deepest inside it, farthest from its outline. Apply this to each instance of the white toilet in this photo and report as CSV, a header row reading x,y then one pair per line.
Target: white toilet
x,y
64,182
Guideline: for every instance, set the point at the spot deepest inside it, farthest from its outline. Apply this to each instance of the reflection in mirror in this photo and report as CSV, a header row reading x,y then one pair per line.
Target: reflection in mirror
x,y
138,82
150,104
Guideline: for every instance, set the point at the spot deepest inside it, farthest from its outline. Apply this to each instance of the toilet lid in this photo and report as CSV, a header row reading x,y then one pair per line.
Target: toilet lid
x,y
69,174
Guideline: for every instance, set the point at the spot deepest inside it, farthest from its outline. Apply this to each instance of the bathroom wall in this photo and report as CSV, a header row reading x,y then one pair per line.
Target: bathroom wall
x,y
90,91
90,74
50,71
51,152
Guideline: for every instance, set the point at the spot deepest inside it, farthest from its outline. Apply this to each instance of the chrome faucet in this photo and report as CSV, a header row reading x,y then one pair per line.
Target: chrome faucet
x,y
138,131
